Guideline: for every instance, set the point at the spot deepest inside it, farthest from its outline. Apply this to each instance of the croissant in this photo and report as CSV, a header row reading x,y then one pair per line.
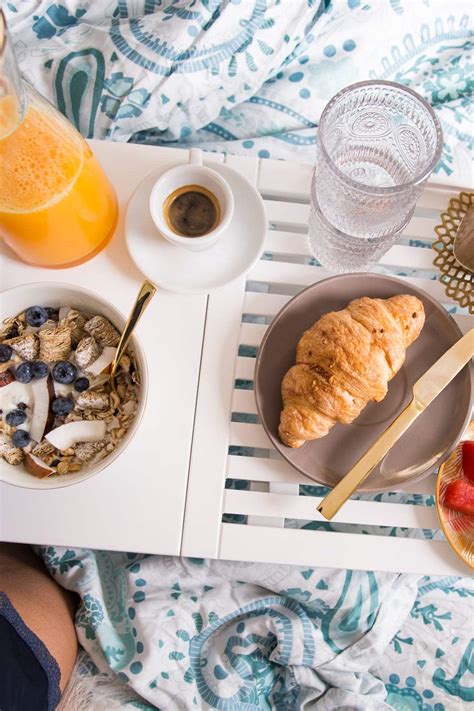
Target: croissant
x,y
345,360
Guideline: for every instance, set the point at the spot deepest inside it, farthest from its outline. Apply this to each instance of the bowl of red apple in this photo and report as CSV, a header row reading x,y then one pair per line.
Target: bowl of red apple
x,y
60,420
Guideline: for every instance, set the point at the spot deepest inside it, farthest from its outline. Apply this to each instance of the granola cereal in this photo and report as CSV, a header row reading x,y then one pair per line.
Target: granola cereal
x,y
26,346
76,321
55,343
92,399
87,351
10,453
58,412
86,451
102,330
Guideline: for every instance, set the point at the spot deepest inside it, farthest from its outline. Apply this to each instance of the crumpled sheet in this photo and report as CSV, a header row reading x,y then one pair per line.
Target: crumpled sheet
x,y
192,633
244,75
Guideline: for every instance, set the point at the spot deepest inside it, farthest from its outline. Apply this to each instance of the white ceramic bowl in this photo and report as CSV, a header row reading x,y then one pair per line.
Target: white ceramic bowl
x,y
16,300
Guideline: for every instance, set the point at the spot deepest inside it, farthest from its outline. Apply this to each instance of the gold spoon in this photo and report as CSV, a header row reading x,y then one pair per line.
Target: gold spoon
x,y
144,296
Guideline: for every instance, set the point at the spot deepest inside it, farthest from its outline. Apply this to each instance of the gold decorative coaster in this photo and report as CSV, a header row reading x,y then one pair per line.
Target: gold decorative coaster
x,y
458,281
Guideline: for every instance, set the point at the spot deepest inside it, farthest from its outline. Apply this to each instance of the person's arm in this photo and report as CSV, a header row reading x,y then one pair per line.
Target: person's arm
x,y
33,601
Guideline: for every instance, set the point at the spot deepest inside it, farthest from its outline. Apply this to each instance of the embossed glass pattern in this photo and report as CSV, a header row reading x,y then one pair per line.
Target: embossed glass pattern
x,y
377,145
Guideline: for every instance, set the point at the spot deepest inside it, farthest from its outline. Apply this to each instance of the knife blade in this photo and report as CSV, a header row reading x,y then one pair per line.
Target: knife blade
x,y
425,390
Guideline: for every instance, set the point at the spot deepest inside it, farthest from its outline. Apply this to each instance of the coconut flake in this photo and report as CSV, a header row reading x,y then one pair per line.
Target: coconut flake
x,y
103,362
34,329
35,466
41,390
96,380
63,312
63,389
71,433
14,393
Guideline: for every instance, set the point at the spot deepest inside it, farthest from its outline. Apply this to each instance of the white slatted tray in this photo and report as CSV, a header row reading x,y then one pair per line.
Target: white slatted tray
x,y
271,503
168,493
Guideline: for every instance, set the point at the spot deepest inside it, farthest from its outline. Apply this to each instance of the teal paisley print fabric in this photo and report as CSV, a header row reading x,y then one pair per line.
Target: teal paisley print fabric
x,y
190,633
243,75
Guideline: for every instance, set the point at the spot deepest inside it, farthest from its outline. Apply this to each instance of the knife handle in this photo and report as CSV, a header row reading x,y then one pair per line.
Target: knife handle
x,y
333,501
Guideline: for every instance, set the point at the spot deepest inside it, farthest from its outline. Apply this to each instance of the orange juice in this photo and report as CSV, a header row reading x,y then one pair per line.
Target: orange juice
x,y
57,207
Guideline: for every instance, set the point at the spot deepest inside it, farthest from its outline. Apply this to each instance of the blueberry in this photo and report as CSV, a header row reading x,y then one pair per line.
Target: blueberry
x,y
81,384
15,418
53,314
22,406
40,369
20,438
64,372
62,406
36,316
5,353
24,372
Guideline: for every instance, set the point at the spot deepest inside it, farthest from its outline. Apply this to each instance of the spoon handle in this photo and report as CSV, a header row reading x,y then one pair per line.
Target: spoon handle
x,y
144,296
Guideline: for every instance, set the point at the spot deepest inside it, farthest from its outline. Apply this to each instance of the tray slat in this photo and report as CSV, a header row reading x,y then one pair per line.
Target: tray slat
x,y
343,550
304,507
259,303
276,470
282,180
271,272
244,401
295,243
295,215
245,368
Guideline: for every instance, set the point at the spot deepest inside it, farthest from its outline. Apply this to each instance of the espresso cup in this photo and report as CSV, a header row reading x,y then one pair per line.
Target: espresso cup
x,y
195,176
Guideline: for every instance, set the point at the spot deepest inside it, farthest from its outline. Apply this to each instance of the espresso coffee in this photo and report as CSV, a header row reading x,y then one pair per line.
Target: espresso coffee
x,y
192,211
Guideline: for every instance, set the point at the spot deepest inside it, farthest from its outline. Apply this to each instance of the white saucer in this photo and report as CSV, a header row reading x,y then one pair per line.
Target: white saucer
x,y
178,269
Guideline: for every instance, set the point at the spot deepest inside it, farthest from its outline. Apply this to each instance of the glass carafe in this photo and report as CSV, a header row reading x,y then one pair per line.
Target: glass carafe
x,y
57,208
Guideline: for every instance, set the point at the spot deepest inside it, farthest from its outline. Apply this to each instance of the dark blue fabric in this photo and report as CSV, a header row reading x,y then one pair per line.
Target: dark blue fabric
x,y
29,675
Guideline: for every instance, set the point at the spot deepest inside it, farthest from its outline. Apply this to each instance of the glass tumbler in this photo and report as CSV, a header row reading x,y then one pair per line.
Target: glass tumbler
x,y
378,142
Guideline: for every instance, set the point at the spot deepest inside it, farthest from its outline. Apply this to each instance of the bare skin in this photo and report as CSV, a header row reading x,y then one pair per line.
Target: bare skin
x,y
45,607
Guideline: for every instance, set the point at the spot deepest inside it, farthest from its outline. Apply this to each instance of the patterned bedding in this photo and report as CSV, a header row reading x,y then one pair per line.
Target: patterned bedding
x,y
193,633
243,75
251,77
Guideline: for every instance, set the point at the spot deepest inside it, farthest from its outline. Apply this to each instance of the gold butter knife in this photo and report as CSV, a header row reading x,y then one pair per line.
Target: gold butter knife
x,y
425,390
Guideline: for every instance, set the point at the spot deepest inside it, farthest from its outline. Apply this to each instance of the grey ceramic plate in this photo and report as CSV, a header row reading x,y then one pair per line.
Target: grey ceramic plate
x,y
428,441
